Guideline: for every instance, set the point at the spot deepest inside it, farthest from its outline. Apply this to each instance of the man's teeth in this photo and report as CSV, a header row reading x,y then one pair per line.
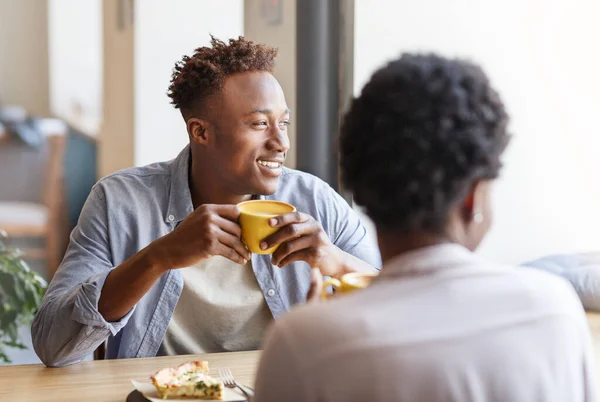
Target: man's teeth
x,y
272,165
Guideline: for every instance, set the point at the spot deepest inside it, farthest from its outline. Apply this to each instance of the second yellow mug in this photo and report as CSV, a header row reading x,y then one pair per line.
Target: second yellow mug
x,y
349,283
254,221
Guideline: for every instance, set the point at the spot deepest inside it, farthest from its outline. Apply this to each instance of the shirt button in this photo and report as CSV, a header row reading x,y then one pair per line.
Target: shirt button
x,y
271,292
171,218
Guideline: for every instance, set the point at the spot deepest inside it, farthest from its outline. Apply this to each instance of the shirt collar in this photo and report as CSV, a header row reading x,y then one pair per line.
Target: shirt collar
x,y
180,198
428,260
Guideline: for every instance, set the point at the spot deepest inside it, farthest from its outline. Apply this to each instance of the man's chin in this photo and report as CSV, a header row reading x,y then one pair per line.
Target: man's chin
x,y
267,188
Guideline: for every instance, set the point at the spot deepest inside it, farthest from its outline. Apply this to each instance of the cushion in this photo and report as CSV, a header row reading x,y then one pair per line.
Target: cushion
x,y
22,213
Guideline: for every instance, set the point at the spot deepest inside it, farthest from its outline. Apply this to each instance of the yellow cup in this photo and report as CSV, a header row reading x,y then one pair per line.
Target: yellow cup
x,y
254,221
349,283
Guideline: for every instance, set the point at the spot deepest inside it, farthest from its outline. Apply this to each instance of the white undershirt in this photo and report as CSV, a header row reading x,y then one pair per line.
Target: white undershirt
x,y
221,309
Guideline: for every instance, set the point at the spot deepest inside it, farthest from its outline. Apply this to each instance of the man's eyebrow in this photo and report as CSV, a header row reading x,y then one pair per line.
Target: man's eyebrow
x,y
265,111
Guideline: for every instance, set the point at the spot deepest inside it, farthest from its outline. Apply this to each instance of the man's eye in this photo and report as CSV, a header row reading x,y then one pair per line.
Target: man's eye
x,y
285,123
260,124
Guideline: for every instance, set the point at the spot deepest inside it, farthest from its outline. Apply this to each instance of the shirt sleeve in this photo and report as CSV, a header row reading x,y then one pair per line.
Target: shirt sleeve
x,y
68,326
279,377
347,232
582,271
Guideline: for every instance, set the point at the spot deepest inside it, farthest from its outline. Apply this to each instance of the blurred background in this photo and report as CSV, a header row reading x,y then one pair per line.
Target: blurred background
x,y
83,94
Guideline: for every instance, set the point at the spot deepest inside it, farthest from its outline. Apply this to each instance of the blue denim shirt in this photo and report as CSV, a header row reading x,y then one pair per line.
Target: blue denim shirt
x,y
128,210
581,270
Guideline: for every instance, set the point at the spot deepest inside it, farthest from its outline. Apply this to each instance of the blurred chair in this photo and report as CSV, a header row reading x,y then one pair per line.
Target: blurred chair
x,y
100,352
46,218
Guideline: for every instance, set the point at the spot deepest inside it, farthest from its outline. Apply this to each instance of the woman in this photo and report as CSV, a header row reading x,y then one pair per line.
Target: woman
x,y
420,150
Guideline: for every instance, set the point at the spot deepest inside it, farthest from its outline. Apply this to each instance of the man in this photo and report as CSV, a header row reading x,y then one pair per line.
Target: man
x,y
121,276
420,150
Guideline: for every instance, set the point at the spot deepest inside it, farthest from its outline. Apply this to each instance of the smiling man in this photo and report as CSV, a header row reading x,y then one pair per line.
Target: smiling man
x,y
156,264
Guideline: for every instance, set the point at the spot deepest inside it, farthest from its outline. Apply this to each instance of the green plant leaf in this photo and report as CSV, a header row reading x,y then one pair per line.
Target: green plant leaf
x,y
7,283
21,292
16,345
9,317
13,332
24,266
3,357
30,296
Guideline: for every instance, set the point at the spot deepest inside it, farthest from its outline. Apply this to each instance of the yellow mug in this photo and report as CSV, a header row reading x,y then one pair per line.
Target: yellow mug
x,y
254,221
349,282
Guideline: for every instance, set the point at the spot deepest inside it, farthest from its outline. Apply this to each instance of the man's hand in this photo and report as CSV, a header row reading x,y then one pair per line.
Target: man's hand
x,y
208,231
302,238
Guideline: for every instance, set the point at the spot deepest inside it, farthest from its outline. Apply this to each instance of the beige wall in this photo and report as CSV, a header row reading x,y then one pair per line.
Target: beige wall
x,y
163,34
282,36
116,142
24,55
545,66
139,125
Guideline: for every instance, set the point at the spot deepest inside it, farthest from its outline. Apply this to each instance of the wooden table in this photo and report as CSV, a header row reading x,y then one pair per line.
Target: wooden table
x,y
107,380
594,323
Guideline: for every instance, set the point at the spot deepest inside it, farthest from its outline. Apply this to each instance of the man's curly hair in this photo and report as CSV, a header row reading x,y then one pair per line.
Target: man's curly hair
x,y
199,76
422,132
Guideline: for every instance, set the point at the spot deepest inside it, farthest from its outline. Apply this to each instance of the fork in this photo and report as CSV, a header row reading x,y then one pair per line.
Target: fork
x,y
230,382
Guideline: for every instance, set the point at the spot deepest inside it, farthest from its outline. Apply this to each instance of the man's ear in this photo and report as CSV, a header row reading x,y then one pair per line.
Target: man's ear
x,y
198,130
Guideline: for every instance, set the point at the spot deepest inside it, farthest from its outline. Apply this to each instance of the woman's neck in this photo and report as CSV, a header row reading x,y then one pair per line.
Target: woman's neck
x,y
394,244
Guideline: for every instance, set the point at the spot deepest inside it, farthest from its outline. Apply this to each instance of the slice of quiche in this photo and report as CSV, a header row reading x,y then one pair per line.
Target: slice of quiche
x,y
188,380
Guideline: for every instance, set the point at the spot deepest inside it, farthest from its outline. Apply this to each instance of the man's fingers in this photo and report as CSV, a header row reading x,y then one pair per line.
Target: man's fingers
x,y
290,247
302,255
236,245
287,219
290,232
229,253
228,226
230,212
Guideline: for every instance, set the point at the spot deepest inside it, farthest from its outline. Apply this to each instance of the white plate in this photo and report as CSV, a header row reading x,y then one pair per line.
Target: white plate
x,y
149,391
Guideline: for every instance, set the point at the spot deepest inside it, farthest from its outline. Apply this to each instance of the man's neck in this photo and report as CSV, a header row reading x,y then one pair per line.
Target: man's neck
x,y
206,190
